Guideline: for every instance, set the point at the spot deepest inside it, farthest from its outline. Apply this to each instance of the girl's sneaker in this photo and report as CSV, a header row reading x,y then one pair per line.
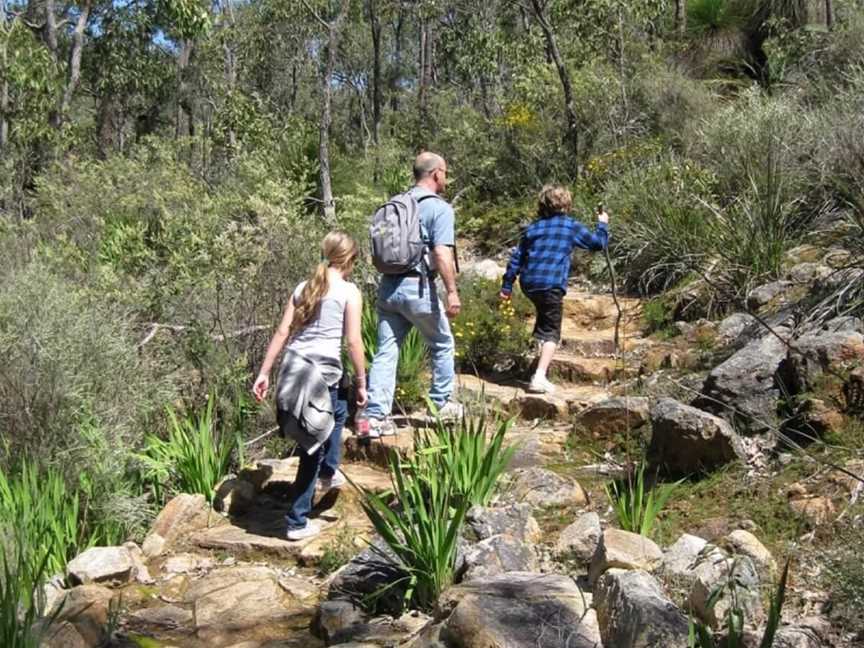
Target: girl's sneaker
x,y
310,530
381,427
540,385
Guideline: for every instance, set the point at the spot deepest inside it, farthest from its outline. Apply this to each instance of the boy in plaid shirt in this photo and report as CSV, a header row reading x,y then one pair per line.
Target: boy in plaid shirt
x,y
542,262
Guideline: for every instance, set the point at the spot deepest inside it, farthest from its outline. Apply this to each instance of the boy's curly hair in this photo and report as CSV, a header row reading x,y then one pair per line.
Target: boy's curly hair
x,y
554,199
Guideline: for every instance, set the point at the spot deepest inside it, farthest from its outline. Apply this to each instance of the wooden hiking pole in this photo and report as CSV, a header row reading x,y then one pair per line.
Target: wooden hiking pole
x,y
611,269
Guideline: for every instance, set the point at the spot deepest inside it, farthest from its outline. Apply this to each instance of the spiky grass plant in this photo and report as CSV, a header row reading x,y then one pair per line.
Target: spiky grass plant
x,y
44,515
193,458
21,599
422,529
701,636
467,451
637,504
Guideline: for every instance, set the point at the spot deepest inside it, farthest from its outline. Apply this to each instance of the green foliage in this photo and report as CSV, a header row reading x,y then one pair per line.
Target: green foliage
x,y
491,334
466,451
424,532
636,503
338,551
658,316
717,15
495,227
35,505
701,636
193,459
21,604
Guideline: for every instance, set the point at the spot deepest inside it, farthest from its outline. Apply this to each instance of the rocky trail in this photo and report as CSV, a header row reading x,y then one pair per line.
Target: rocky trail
x,y
543,567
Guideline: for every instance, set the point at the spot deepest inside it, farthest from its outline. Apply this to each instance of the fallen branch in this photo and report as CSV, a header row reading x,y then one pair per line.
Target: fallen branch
x,y
155,327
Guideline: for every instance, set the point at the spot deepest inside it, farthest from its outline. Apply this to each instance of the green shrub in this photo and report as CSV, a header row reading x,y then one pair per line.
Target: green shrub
x,y
490,334
495,227
636,504
466,451
193,459
658,316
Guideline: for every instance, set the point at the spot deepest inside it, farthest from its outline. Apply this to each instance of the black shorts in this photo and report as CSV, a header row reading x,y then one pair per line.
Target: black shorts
x,y
547,327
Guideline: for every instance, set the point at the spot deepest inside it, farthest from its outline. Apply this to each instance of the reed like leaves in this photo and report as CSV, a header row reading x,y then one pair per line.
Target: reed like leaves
x,y
637,504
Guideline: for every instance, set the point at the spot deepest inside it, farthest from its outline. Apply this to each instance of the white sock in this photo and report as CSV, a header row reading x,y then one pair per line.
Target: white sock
x,y
538,375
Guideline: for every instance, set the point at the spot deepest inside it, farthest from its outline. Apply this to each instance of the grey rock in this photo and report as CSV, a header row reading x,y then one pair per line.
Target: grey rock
x,y
685,439
368,573
227,577
86,607
845,323
518,610
580,539
767,293
614,416
744,543
797,637
541,487
483,522
737,328
747,383
815,354
808,272
715,570
382,631
487,269
166,616
242,605
497,555
101,564
336,616
623,550
633,612
64,635
681,557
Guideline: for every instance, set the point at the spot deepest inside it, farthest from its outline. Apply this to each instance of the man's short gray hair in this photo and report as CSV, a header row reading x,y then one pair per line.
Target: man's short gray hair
x,y
426,163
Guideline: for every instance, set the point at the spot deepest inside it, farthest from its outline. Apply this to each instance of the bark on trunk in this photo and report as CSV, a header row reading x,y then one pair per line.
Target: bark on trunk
x,y
680,16
183,116
73,77
375,26
829,14
421,68
4,88
563,75
396,74
333,30
230,65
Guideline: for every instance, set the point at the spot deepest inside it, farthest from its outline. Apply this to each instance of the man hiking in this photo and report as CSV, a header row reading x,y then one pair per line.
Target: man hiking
x,y
411,298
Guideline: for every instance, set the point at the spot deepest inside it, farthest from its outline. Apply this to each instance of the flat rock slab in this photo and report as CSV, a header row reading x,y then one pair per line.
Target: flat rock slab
x,y
257,535
614,416
243,605
516,610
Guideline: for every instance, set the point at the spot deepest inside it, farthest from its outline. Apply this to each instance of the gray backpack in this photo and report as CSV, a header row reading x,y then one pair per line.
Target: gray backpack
x,y
397,242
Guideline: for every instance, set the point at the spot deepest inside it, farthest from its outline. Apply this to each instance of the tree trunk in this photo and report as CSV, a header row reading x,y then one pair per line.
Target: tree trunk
x,y
230,65
73,76
396,74
681,16
375,26
183,110
4,88
563,75
107,125
829,14
422,51
333,28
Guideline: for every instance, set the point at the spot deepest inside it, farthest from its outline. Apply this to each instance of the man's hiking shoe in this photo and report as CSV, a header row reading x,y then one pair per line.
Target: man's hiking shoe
x,y
381,427
329,483
309,531
449,411
540,385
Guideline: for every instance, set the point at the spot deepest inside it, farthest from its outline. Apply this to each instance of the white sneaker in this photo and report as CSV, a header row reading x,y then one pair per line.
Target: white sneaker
x,y
381,427
540,385
329,483
310,530
450,411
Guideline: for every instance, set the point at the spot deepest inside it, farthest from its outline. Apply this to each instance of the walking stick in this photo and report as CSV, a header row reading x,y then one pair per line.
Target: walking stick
x,y
611,269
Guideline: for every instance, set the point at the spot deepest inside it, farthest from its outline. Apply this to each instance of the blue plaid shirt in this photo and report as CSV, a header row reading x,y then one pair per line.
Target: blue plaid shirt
x,y
542,258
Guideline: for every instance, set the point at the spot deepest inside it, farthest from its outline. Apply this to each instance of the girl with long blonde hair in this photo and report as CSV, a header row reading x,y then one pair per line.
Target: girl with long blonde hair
x,y
322,312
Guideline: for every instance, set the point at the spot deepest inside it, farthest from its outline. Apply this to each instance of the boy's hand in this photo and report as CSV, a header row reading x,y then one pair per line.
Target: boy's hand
x,y
603,217
504,296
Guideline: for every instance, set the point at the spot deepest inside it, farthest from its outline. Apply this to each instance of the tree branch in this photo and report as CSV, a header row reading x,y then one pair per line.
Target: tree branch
x,y
315,15
155,327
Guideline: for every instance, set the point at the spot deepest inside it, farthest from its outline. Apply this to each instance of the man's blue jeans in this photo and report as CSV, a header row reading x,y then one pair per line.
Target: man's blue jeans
x,y
325,460
403,303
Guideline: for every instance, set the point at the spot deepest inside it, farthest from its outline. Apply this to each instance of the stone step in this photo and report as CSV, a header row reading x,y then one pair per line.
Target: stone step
x,y
593,311
600,343
579,369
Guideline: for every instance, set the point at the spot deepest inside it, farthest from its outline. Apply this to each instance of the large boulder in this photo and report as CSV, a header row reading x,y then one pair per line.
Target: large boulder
x,y
613,416
518,610
86,607
101,564
744,389
181,516
483,522
681,557
580,539
623,550
374,570
685,439
744,543
541,487
633,612
717,571
736,329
